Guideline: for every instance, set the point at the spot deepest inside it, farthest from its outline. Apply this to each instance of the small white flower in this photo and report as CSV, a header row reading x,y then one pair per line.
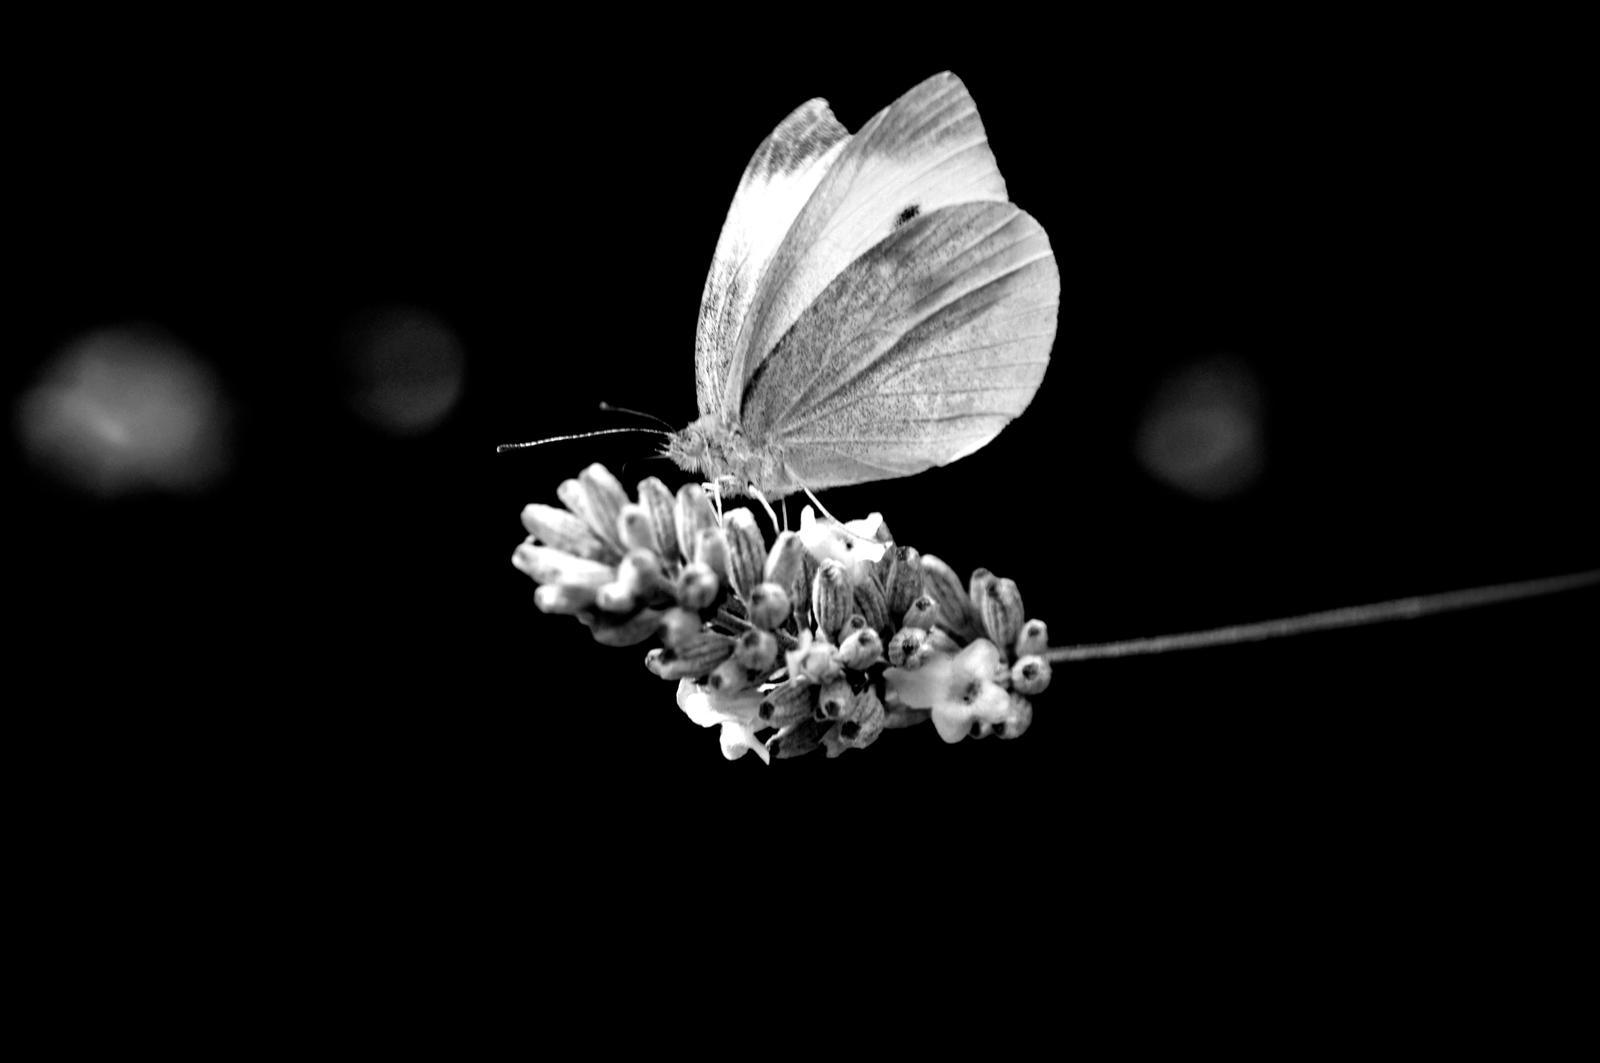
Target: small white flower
x,y
960,688
736,713
855,542
815,658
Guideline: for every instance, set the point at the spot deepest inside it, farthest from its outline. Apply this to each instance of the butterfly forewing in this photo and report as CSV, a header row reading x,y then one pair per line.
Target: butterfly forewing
x,y
780,178
920,352
925,151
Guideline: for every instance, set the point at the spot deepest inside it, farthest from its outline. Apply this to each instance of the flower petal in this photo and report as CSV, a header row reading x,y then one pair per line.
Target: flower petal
x,y
854,542
792,659
738,739
919,688
708,708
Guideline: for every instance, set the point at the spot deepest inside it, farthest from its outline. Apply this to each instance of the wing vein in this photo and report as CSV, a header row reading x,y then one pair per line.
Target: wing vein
x,y
817,402
804,393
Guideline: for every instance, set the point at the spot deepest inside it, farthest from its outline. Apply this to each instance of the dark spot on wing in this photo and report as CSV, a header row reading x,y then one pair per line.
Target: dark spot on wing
x,y
907,214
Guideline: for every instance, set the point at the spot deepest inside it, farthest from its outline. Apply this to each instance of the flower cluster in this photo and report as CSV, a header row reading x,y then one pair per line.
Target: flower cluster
x,y
823,640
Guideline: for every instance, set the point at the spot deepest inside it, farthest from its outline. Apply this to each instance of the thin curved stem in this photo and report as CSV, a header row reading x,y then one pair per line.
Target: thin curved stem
x,y
1352,616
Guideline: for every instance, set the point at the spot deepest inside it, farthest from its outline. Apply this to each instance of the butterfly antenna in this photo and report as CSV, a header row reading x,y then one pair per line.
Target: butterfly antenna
x,y
503,447
1352,616
609,408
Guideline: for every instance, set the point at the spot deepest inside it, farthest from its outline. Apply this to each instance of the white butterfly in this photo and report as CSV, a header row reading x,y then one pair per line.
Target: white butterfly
x,y
875,306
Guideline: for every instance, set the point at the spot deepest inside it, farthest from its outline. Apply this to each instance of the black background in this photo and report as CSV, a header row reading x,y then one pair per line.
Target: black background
x,y
330,655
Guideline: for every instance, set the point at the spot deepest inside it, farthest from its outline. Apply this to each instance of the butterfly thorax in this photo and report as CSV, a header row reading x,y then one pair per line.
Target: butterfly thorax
x,y
722,453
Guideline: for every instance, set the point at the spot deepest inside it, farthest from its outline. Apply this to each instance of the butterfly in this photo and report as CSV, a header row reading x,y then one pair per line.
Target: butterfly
x,y
875,307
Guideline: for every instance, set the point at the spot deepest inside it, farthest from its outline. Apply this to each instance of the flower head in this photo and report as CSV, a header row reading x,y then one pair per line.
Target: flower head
x,y
830,637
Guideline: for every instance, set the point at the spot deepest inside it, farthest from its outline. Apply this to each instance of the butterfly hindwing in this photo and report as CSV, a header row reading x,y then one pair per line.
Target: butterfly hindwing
x,y
780,178
925,151
918,353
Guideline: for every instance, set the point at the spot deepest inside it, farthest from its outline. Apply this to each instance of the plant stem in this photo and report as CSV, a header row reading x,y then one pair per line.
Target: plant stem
x,y
1352,616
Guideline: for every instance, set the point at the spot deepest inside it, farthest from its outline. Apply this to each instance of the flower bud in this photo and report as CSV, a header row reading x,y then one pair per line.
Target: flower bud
x,y
769,606
978,588
861,650
628,631
923,613
697,586
798,738
678,625
659,503
834,698
1001,609
831,598
792,700
565,531
884,566
747,552
902,584
634,528
549,565
1034,639
756,650
786,560
615,597
955,606
872,605
1030,675
711,548
564,598
692,514
729,677
640,571
862,721
800,590
903,647
598,498
694,657
1018,718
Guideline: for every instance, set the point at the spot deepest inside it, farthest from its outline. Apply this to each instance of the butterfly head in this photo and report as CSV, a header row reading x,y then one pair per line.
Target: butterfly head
x,y
721,452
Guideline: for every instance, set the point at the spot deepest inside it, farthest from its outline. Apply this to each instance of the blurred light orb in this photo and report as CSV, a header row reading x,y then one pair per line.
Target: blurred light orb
x,y
125,410
1201,431
403,369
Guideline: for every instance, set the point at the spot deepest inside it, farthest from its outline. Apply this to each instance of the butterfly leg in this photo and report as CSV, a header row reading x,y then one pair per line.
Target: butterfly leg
x,y
714,489
830,516
755,493
820,507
